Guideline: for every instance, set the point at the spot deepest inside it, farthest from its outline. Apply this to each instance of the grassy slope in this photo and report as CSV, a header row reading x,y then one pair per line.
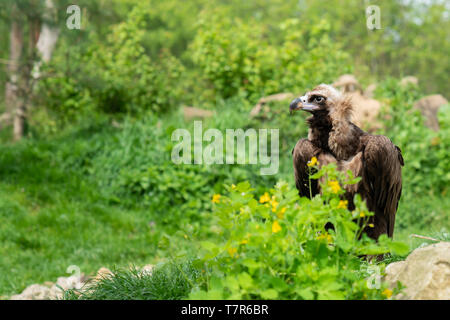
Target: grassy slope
x,y
53,217
54,214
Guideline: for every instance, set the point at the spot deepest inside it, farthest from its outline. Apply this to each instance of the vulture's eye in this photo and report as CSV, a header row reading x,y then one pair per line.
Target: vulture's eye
x,y
319,99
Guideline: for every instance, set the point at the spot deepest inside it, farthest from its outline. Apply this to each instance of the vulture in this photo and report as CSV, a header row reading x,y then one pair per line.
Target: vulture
x,y
332,137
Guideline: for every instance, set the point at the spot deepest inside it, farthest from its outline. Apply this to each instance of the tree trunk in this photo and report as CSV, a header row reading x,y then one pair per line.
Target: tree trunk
x,y
22,76
19,122
12,95
47,38
15,51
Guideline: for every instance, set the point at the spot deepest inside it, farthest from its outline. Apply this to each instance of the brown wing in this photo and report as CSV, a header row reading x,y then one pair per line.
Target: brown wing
x,y
302,153
381,184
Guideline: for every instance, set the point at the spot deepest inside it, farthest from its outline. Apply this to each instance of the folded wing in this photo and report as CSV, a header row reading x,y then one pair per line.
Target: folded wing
x,y
381,183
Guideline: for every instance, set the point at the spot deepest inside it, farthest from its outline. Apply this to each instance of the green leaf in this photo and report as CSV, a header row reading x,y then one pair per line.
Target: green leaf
x,y
399,248
208,245
269,294
245,281
198,295
306,293
252,265
216,283
330,295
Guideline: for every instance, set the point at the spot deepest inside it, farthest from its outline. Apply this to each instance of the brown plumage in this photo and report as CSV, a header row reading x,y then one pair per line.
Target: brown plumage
x,y
332,137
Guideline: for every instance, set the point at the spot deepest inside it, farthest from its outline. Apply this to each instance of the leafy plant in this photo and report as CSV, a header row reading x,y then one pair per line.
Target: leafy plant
x,y
243,58
276,247
426,171
115,76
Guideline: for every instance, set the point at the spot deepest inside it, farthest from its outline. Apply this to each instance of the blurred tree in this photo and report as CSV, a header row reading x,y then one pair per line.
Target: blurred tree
x,y
413,39
26,19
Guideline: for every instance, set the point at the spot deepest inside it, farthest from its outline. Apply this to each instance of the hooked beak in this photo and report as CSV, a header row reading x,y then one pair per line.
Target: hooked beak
x,y
297,104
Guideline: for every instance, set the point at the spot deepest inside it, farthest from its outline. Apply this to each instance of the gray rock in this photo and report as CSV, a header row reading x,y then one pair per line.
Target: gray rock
x,y
429,107
196,113
370,90
365,112
347,83
33,292
409,80
65,283
425,273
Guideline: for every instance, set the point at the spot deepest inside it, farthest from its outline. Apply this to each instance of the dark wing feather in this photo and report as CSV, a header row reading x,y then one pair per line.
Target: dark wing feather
x,y
303,151
381,184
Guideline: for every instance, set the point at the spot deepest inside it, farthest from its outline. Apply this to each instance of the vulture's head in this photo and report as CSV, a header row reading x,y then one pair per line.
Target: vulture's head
x,y
323,101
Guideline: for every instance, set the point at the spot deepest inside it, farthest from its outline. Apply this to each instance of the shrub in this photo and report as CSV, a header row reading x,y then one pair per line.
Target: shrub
x,y
132,167
424,150
116,76
248,58
130,80
276,247
308,56
426,171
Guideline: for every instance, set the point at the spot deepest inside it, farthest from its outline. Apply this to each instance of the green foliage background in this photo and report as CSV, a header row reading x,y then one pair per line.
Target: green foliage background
x,y
92,184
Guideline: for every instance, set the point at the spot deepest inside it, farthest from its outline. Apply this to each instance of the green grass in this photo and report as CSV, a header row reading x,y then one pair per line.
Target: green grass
x,y
169,281
426,215
40,238
53,216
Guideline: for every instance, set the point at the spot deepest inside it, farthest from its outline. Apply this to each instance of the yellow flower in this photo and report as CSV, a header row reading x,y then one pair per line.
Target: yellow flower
x,y
325,236
276,227
371,225
362,214
387,293
280,214
264,198
233,186
274,206
435,141
342,204
334,185
216,198
245,241
320,237
232,251
312,162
